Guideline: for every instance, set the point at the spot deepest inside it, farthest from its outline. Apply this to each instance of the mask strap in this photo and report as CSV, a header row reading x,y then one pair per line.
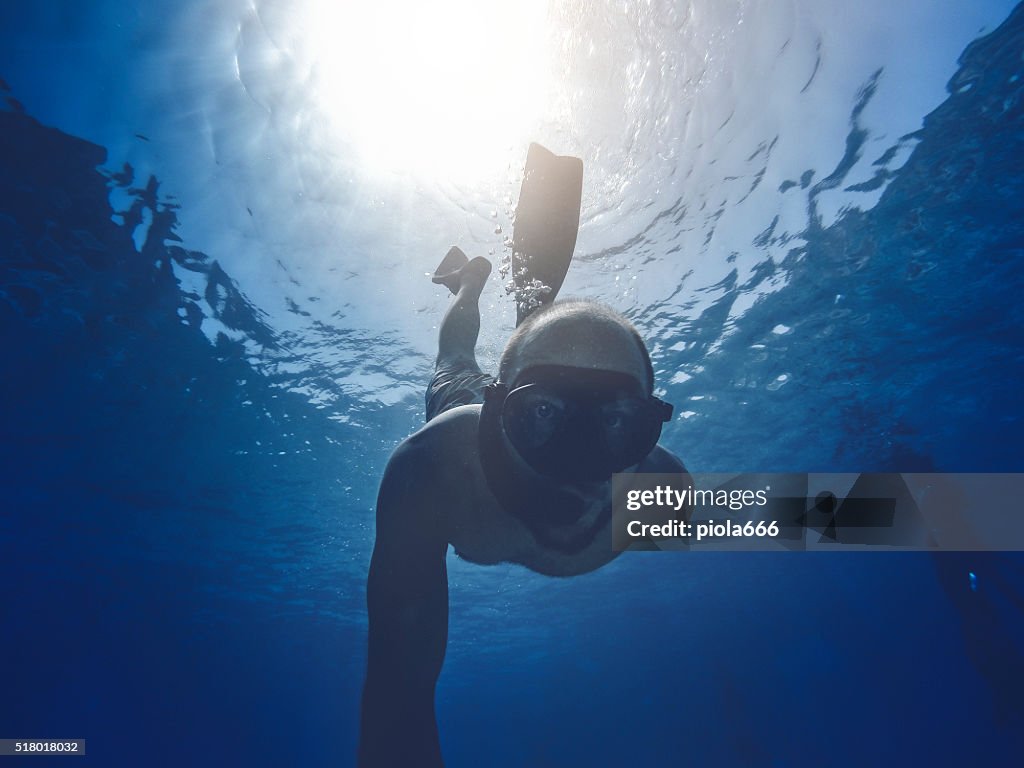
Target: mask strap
x,y
662,409
495,390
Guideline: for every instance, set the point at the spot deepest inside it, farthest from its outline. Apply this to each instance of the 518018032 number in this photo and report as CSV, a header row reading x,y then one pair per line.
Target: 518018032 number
x,y
42,746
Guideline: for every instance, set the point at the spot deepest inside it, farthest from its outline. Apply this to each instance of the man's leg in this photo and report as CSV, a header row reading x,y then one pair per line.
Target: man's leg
x,y
457,378
456,342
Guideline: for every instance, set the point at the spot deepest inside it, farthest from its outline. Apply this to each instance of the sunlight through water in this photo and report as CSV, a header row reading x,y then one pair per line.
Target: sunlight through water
x,y
328,154
447,92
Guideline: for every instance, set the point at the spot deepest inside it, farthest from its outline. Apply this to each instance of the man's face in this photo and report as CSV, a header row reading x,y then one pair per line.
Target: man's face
x,y
578,425
577,408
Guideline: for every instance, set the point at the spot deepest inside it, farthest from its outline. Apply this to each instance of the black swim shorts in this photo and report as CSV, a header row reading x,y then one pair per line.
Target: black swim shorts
x,y
455,383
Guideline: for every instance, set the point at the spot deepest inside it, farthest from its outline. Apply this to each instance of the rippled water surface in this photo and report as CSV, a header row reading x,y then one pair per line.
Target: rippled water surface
x,y
216,222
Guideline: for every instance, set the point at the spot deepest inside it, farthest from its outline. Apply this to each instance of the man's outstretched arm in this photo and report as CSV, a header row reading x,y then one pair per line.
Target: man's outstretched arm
x,y
407,600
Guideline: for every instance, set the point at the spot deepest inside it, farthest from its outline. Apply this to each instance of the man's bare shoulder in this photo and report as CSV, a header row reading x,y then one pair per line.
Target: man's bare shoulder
x,y
441,450
452,435
662,460
458,421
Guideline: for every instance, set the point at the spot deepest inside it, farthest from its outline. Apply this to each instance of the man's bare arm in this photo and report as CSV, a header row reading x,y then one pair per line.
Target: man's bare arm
x,y
407,600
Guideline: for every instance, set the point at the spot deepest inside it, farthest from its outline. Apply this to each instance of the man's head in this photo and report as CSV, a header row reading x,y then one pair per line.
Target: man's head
x,y
575,386
572,405
578,334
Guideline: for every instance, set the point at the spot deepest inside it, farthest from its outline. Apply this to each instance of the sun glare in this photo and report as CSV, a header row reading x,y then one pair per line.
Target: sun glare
x,y
444,88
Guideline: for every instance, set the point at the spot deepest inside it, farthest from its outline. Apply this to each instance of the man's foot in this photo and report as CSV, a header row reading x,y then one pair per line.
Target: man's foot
x,y
456,271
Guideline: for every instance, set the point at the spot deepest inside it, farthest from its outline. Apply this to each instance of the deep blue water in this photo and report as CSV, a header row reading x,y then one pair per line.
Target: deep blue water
x,y
185,529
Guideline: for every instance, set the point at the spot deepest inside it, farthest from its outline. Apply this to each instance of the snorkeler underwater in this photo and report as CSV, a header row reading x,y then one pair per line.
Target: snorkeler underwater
x,y
479,383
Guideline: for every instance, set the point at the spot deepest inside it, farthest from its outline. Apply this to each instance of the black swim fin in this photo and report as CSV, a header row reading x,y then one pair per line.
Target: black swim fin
x,y
455,269
447,272
547,221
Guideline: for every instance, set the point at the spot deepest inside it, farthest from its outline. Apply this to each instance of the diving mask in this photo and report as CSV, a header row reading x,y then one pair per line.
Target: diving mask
x,y
579,424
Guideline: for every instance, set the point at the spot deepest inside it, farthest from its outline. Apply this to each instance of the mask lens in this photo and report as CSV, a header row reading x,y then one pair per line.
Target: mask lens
x,y
534,416
622,430
637,436
567,430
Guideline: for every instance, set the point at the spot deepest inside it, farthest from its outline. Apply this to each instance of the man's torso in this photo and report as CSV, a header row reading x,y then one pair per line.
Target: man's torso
x,y
479,529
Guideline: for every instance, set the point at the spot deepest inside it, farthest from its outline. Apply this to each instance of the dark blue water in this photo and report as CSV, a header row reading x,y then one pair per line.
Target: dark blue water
x,y
183,538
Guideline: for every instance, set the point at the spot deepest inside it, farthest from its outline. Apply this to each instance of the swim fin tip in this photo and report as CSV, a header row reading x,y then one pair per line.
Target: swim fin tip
x,y
546,225
447,272
456,269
